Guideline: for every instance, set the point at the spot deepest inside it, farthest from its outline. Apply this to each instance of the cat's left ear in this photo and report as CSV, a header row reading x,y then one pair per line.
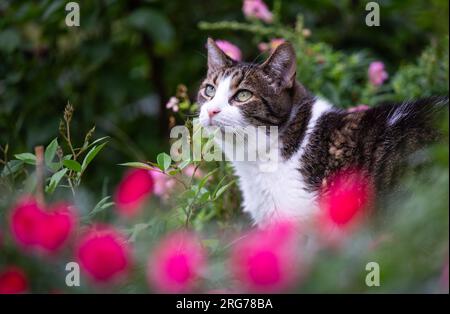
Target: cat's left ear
x,y
282,65
217,59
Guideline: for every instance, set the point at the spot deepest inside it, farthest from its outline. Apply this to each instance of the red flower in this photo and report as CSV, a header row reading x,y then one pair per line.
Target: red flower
x,y
13,281
344,201
176,263
135,187
34,227
267,260
55,228
25,219
103,253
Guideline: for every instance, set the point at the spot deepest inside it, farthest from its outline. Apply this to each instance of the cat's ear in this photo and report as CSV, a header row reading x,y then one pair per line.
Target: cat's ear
x,y
282,65
217,59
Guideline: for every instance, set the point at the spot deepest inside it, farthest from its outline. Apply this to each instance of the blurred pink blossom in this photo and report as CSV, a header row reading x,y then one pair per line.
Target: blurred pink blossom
x,y
25,218
267,260
173,104
230,50
175,265
257,9
13,281
360,107
377,73
272,45
133,190
103,253
34,227
189,172
57,225
164,184
344,202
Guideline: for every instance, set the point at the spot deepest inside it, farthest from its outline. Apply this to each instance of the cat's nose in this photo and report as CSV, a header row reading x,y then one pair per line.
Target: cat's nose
x,y
212,112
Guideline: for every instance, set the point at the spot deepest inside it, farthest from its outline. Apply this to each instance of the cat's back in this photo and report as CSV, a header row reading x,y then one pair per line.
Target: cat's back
x,y
374,140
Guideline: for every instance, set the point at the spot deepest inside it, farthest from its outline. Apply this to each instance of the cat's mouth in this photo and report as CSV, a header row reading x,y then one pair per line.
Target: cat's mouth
x,y
213,123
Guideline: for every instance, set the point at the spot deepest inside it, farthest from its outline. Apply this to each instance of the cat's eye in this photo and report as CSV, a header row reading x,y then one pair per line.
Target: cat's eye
x,y
243,95
210,91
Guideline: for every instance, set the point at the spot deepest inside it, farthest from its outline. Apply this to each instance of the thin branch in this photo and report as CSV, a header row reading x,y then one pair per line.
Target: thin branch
x,y
39,151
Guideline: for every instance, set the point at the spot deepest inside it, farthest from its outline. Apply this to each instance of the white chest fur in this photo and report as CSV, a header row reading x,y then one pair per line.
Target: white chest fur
x,y
271,195
274,195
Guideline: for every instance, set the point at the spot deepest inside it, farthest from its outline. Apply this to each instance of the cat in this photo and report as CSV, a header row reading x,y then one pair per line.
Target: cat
x,y
316,139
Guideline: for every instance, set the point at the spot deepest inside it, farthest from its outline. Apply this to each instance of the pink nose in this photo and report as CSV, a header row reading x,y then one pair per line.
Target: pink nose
x,y
213,112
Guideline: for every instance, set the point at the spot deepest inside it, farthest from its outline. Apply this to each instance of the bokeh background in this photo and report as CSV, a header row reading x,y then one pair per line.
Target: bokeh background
x,y
119,69
122,64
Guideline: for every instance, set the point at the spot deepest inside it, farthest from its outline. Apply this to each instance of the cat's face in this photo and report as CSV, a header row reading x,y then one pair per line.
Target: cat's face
x,y
241,94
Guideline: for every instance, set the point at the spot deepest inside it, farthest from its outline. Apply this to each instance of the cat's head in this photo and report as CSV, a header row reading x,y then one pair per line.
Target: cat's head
x,y
241,94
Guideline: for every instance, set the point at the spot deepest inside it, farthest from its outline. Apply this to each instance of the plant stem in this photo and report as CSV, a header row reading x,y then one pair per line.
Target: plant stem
x,y
39,151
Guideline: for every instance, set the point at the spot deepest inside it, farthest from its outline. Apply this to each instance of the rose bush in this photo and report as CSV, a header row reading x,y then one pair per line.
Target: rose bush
x,y
176,226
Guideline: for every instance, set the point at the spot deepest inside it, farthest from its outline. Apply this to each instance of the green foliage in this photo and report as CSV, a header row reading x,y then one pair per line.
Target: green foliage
x,y
429,74
119,68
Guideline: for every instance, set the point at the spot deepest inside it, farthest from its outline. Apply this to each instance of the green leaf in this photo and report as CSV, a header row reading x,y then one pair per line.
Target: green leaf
x,y
205,178
204,196
137,164
184,163
163,161
138,228
12,167
173,172
101,206
91,155
50,152
97,141
27,158
54,180
223,189
72,165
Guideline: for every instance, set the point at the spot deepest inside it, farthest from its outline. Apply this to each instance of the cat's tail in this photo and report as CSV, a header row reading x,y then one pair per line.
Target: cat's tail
x,y
421,117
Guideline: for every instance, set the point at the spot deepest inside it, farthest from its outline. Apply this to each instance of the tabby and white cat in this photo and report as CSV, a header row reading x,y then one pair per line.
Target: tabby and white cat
x,y
316,139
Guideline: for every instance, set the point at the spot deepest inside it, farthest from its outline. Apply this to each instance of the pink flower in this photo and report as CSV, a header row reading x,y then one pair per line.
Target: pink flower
x,y
103,254
357,108
13,281
257,9
25,219
344,201
377,74
267,260
34,227
132,192
272,45
163,184
189,172
173,104
176,264
55,228
229,49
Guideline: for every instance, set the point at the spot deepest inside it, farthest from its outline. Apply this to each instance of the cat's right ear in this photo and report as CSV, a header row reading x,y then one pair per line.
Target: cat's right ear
x,y
217,59
282,65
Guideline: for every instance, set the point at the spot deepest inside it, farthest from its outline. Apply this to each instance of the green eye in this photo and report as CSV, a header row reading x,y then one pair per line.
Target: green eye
x,y
210,91
243,95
